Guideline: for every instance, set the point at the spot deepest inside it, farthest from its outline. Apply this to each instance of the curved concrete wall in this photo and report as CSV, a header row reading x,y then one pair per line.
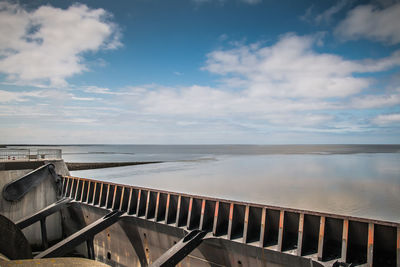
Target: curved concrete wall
x,y
38,198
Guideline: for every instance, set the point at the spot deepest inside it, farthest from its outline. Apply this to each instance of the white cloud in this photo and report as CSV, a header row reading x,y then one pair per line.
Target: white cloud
x,y
387,119
376,101
98,90
85,98
370,22
44,45
286,83
284,87
6,96
221,2
327,15
291,68
10,96
251,2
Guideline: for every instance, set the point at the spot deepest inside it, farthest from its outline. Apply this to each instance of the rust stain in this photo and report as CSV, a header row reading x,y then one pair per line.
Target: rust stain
x,y
246,216
146,248
158,198
231,212
179,203
168,197
203,206
190,204
94,193
321,228
398,238
345,229
122,198
370,235
216,209
281,217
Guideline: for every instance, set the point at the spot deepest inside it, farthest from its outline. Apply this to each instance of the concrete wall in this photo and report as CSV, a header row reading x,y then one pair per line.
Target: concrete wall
x,y
139,242
39,197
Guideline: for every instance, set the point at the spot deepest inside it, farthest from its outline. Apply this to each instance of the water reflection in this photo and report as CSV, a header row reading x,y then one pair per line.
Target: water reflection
x,y
364,185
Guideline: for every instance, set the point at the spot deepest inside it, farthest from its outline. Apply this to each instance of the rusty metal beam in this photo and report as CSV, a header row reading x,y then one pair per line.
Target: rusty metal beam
x,y
81,236
180,250
41,214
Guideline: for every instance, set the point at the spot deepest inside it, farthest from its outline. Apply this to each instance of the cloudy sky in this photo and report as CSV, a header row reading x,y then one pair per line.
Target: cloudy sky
x,y
200,71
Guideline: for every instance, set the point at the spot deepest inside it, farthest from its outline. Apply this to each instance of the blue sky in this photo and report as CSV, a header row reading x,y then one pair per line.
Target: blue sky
x,y
200,72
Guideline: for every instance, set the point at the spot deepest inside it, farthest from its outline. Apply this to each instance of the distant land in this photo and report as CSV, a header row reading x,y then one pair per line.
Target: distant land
x,y
238,149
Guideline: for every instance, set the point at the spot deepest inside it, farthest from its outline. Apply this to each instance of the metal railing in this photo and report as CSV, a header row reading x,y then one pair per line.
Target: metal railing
x,y
314,235
14,154
49,154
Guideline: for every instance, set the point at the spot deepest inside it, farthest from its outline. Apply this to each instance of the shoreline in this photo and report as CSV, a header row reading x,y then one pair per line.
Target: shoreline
x,y
80,166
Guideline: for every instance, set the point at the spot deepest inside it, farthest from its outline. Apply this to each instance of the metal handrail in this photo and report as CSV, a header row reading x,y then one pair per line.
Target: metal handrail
x,y
15,154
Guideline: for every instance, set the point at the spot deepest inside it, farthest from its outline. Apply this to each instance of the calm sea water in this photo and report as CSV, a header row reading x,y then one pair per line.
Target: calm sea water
x,y
355,180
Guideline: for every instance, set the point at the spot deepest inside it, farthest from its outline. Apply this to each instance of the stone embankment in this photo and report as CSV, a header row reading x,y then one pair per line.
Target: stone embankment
x,y
74,166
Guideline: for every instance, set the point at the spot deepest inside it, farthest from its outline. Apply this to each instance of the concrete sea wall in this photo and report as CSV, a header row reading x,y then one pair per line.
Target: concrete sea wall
x,y
39,197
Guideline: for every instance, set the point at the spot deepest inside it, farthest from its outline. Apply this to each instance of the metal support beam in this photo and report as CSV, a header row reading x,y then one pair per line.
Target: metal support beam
x,y
43,229
300,235
90,248
15,190
180,250
321,238
41,214
81,236
345,237
370,251
280,233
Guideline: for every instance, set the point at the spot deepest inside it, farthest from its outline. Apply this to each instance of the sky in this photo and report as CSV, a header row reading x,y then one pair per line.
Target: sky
x,y
200,72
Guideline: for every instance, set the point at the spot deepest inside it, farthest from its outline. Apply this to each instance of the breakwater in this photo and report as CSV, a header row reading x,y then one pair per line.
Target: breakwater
x,y
75,166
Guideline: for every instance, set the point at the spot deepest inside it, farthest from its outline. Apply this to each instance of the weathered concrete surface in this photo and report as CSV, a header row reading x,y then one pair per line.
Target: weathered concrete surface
x,y
39,197
138,242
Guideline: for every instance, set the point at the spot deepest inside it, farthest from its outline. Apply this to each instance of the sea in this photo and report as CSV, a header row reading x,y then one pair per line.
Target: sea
x,y
354,180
